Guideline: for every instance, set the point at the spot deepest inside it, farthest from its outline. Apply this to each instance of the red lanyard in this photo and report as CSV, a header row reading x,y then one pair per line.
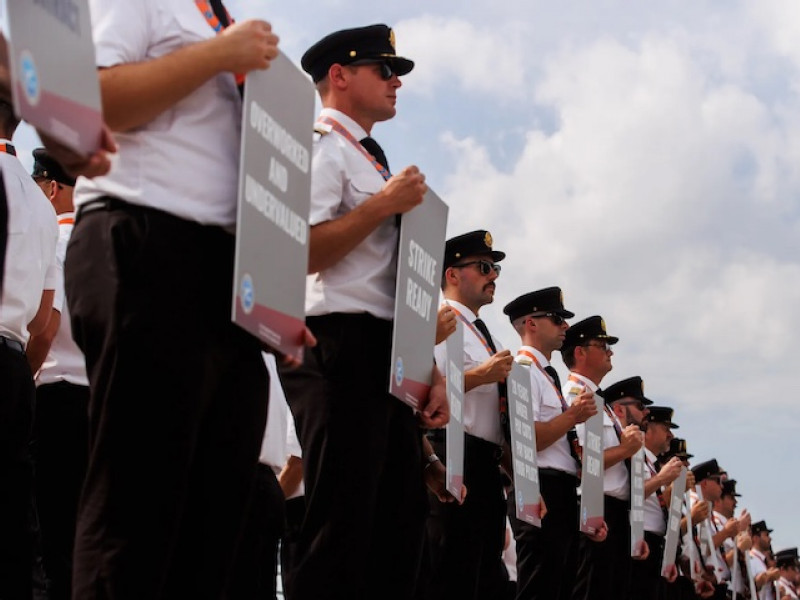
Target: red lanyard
x,y
564,406
340,129
217,26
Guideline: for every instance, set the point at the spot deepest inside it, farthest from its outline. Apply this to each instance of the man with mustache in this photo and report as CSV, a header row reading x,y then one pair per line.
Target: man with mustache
x,y
467,539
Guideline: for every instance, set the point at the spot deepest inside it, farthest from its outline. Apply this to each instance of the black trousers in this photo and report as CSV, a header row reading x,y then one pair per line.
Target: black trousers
x,y
60,452
646,579
365,498
547,556
604,568
290,554
255,575
177,409
17,397
465,542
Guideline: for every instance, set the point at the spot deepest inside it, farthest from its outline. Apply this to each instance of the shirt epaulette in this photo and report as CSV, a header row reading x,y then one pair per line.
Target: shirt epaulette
x,y
322,128
524,361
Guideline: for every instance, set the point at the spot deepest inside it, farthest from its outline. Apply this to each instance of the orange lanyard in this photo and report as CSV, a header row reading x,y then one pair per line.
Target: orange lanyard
x,y
66,221
341,130
474,330
564,406
211,18
8,149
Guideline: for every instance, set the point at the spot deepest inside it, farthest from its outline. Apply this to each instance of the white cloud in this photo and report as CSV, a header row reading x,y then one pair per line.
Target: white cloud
x,y
484,60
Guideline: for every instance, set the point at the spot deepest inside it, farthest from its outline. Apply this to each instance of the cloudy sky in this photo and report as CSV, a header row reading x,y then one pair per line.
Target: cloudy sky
x,y
642,156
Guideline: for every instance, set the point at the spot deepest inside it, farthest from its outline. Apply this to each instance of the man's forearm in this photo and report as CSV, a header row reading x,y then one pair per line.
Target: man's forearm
x,y
136,93
332,240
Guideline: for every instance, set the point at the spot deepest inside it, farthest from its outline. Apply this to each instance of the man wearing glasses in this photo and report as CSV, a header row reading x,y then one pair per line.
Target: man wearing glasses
x,y
547,556
467,539
604,568
366,503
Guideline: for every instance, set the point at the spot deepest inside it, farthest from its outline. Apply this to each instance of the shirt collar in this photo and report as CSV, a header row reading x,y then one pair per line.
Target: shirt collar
x,y
354,128
539,356
468,314
586,381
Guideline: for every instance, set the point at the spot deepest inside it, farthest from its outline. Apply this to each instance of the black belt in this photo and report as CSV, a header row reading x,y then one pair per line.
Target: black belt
x,y
558,474
476,447
12,344
102,203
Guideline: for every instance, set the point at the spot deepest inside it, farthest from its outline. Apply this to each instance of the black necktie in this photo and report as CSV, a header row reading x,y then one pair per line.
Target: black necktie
x,y
374,148
220,12
554,375
501,385
371,146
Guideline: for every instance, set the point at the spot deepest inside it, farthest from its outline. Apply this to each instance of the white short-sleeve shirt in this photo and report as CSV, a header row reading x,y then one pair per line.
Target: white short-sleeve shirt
x,y
653,513
546,407
481,412
185,161
65,361
616,479
30,252
759,564
341,179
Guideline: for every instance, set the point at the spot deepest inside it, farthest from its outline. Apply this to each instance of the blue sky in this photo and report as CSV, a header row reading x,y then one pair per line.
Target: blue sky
x,y
642,156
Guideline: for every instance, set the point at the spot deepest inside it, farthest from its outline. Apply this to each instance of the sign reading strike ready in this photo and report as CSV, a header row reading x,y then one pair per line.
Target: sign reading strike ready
x,y
419,273
53,70
274,202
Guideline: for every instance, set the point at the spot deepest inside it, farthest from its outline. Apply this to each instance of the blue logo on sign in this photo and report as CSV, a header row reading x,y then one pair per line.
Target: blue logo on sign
x,y
398,371
520,503
247,293
585,515
30,77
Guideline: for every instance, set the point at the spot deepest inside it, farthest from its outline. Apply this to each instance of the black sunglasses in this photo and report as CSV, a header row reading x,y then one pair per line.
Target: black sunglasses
x,y
386,72
484,266
637,403
554,318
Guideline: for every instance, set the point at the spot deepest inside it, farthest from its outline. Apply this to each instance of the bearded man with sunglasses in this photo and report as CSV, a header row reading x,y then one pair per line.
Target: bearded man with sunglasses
x,y
362,448
547,555
466,540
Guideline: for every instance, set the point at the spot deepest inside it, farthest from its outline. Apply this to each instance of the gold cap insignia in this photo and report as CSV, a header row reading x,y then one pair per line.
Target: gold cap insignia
x,y
602,325
642,387
391,38
487,239
561,297
458,254
352,53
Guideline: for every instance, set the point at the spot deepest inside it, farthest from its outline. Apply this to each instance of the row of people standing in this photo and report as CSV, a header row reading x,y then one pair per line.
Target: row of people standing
x,y
177,392
177,411
555,560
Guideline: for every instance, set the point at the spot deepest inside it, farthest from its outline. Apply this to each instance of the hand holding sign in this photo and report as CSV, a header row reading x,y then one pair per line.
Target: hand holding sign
x,y
583,407
403,191
631,439
435,412
246,46
445,323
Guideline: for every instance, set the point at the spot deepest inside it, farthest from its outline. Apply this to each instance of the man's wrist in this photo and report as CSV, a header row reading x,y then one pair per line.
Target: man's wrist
x,y
431,459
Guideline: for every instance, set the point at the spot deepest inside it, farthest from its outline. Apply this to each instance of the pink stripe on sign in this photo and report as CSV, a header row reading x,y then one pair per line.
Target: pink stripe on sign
x,y
75,125
276,329
411,392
